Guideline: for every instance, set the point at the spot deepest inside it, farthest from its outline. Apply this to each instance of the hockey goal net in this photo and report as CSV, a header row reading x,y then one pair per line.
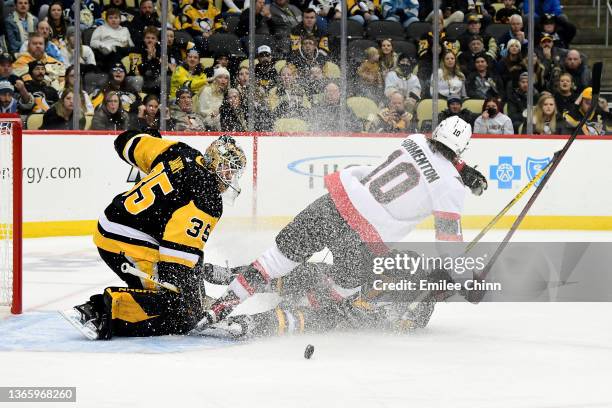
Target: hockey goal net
x,y
10,213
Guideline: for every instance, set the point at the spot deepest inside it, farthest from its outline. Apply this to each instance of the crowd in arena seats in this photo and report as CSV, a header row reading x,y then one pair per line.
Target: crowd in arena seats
x,y
481,76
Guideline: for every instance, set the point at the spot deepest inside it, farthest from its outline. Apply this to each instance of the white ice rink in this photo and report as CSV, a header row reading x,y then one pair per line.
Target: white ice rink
x,y
536,355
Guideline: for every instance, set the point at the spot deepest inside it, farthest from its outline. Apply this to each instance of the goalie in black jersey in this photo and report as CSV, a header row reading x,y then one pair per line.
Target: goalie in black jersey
x,y
154,234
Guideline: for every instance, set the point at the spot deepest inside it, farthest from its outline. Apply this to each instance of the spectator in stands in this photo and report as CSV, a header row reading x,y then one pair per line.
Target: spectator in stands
x,y
466,58
6,69
402,80
539,73
19,25
69,85
88,59
451,80
212,96
596,123
370,80
517,101
182,112
147,17
129,97
222,60
425,53
59,116
55,70
314,84
307,56
551,58
44,29
190,74
57,21
288,98
175,56
503,15
492,120
262,20
284,18
110,115
483,82
37,85
512,65
11,102
145,60
454,108
562,35
475,30
515,33
565,93
148,114
126,14
111,41
404,12
452,11
363,11
391,119
265,72
326,115
546,8
233,115
577,69
388,57
308,29
546,118
241,83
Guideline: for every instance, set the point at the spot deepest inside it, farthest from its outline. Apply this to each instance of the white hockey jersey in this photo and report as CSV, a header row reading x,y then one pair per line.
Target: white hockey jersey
x,y
385,203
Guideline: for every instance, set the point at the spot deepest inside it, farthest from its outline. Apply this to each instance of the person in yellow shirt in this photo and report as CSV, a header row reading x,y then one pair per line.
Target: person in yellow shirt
x,y
190,74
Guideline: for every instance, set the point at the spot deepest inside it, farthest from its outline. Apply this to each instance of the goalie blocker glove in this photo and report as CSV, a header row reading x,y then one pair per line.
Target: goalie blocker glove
x,y
472,178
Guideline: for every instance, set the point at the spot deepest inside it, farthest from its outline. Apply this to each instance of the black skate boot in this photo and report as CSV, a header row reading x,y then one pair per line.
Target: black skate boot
x,y
90,319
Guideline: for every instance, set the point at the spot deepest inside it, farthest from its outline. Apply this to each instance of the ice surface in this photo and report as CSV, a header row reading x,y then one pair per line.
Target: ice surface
x,y
539,355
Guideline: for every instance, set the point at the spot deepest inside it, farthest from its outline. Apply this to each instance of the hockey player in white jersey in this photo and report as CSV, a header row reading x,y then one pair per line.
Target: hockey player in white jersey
x,y
366,207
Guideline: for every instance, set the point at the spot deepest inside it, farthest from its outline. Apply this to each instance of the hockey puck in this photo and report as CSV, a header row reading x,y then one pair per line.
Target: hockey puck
x,y
309,351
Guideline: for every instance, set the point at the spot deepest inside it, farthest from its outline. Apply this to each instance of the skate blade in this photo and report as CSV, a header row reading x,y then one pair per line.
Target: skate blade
x,y
73,318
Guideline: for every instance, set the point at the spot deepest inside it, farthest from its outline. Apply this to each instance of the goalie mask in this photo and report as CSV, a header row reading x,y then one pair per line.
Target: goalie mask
x,y
454,133
226,160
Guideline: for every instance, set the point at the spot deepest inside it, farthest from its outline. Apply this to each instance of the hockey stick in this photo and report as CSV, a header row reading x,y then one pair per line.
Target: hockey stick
x,y
504,210
127,268
596,84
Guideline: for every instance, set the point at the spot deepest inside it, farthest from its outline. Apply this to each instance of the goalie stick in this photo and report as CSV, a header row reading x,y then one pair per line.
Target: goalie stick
x,y
127,268
476,296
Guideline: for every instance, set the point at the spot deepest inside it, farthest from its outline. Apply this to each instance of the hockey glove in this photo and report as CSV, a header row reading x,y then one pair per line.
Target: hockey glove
x,y
472,178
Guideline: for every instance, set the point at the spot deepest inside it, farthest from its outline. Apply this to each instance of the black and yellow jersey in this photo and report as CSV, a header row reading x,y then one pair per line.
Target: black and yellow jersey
x,y
169,214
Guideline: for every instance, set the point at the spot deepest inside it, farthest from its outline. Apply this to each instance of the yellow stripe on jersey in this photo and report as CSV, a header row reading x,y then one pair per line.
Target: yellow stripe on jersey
x,y
131,250
124,307
146,150
189,226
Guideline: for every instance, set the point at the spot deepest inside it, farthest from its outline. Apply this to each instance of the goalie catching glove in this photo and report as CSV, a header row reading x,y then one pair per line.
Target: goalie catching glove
x,y
472,178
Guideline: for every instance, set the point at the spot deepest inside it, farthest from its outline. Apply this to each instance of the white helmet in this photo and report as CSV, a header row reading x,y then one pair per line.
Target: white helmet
x,y
454,133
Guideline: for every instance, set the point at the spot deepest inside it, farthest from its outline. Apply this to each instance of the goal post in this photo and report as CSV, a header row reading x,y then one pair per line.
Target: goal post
x,y
11,212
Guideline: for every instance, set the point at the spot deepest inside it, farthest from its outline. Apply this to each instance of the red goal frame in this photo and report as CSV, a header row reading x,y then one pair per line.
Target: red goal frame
x,y
17,178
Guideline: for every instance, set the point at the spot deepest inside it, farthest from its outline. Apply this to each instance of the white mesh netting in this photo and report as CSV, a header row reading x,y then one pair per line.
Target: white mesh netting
x,y
6,213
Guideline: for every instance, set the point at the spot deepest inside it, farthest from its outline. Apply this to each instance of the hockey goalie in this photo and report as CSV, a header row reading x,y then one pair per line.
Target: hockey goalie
x,y
159,229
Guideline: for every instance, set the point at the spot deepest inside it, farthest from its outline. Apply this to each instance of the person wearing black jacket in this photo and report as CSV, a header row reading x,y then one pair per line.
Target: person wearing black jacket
x,y
262,20
146,18
482,82
454,109
565,95
59,116
44,95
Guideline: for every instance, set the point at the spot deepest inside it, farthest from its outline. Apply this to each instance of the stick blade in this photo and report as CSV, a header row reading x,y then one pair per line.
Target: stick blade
x,y
596,77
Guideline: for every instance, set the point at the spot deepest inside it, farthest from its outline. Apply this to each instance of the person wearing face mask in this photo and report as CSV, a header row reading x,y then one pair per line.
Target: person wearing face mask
x,y
492,120
403,80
